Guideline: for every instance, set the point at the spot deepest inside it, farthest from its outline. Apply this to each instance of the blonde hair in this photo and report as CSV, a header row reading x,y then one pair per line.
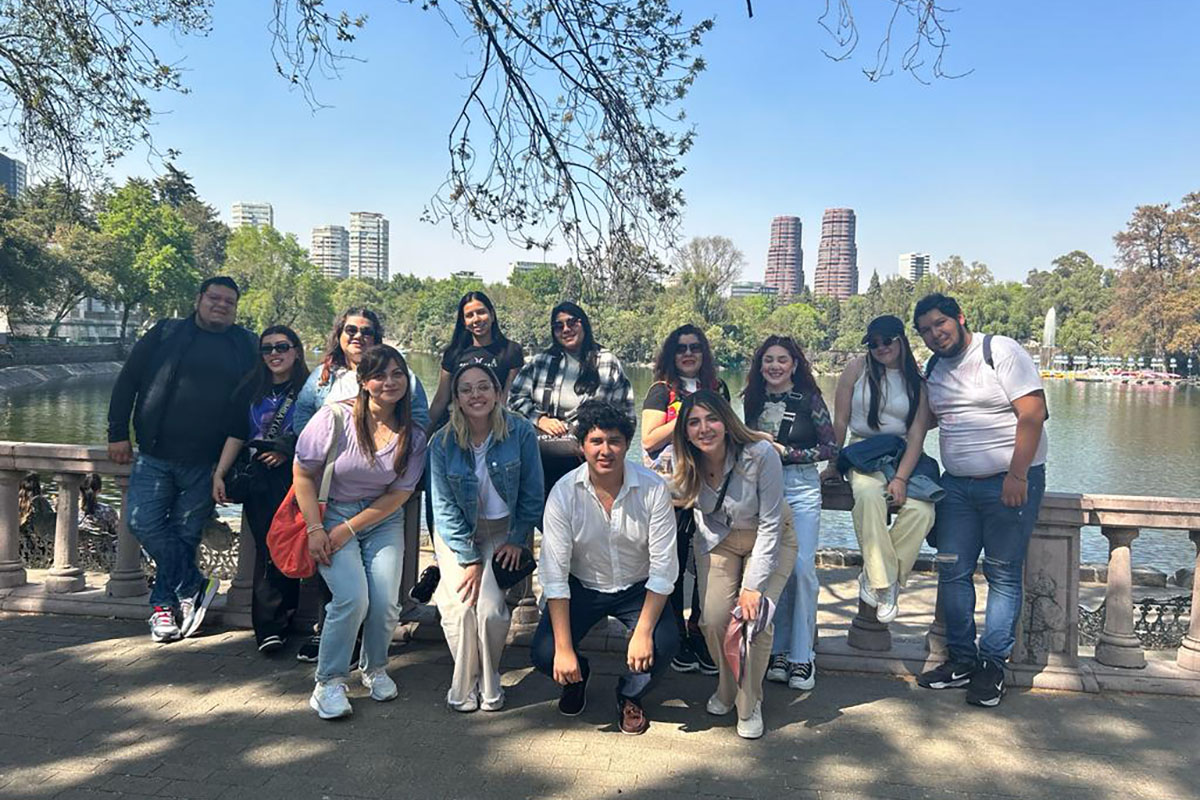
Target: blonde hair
x,y
458,420
687,478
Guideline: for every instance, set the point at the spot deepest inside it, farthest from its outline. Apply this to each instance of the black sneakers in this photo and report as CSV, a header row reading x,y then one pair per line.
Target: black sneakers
x,y
685,660
987,684
308,651
422,590
707,665
948,675
574,696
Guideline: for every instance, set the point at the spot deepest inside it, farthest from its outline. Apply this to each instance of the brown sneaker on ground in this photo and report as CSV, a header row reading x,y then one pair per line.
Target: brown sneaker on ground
x,y
631,718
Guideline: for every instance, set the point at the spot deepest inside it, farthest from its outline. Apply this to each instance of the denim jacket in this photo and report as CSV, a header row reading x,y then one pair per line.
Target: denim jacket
x,y
313,395
882,454
515,467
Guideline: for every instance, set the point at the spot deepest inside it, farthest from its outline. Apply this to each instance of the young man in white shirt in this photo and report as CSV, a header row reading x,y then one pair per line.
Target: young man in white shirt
x,y
986,394
608,550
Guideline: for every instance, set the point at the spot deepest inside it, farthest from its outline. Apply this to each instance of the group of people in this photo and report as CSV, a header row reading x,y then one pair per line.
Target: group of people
x,y
509,446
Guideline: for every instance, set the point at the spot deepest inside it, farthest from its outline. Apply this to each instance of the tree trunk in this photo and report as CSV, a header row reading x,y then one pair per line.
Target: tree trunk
x,y
124,320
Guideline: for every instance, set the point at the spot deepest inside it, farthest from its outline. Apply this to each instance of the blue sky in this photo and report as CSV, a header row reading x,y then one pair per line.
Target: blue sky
x,y
1074,113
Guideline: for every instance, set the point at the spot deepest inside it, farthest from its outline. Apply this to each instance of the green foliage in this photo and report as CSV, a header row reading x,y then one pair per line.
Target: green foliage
x,y
21,260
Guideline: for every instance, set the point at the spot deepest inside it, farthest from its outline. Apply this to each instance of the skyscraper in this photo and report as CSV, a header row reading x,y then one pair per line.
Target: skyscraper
x,y
914,266
331,250
837,255
785,257
12,175
260,215
368,245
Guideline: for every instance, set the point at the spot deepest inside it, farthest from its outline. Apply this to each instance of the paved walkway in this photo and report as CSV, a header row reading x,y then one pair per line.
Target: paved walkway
x,y
90,708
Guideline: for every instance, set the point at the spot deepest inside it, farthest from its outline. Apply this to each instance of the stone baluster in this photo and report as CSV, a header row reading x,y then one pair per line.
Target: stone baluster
x,y
1118,646
935,637
127,578
241,592
1189,649
867,632
12,572
65,575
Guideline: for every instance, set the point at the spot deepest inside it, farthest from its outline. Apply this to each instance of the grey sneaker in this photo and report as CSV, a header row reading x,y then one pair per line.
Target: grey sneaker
x,y
329,700
162,625
777,672
194,608
382,687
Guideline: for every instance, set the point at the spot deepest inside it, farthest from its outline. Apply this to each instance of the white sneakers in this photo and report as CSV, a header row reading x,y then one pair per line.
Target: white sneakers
x,y
329,700
162,625
192,609
751,727
888,606
865,592
716,707
382,687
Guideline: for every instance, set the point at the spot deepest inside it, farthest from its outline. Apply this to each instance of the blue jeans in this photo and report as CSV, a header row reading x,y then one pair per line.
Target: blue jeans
x,y
364,578
169,504
972,519
589,607
796,613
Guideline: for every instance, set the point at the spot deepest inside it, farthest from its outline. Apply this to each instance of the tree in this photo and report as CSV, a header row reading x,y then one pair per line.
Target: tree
x,y
706,267
21,261
209,234
960,278
154,266
84,261
280,286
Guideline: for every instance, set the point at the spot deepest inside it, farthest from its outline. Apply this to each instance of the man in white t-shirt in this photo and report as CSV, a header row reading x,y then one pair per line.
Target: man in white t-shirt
x,y
986,394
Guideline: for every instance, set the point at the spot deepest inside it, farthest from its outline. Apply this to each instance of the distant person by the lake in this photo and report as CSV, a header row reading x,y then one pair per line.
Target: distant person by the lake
x,y
37,520
782,399
177,383
986,394
255,470
685,364
881,400
549,390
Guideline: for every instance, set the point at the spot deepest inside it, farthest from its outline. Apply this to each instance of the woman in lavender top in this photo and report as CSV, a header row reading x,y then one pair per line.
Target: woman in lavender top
x,y
358,542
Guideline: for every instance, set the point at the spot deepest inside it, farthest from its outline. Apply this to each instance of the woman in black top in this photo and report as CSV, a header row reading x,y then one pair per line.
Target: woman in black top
x,y
477,339
262,413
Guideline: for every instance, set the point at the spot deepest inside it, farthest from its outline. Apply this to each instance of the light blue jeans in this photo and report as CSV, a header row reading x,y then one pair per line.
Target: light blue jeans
x,y
796,615
364,579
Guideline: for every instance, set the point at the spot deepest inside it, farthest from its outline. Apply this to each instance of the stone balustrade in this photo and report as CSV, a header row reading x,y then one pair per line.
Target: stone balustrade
x,y
1047,652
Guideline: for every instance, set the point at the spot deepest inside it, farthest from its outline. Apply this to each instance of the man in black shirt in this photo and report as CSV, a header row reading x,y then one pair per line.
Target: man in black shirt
x,y
177,382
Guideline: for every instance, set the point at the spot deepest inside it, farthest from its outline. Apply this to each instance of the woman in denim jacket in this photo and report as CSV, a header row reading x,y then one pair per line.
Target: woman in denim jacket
x,y
486,481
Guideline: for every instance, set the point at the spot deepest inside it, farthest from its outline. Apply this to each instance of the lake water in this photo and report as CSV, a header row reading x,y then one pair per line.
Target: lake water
x,y
1109,439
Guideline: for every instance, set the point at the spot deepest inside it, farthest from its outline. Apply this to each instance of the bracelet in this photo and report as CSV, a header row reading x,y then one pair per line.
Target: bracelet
x,y
1019,478
317,527
351,527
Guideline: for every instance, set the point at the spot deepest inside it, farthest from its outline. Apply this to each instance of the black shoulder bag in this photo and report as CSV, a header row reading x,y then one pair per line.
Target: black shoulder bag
x,y
247,471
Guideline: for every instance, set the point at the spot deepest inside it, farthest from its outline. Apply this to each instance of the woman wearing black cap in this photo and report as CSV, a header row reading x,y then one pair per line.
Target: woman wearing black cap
x,y
882,393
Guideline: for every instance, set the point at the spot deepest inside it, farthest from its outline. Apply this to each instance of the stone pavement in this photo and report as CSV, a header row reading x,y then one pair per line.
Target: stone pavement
x,y
90,708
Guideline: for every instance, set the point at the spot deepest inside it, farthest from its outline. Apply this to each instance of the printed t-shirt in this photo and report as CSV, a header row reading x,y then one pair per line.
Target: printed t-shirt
x,y
502,357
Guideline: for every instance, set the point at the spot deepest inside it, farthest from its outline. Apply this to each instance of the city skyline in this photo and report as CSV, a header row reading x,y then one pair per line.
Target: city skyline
x,y
836,274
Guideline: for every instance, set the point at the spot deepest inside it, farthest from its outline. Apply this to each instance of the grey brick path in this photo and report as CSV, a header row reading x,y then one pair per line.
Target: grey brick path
x,y
89,708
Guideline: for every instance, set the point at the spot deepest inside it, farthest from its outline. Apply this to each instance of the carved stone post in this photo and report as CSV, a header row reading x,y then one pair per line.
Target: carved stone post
x,y
127,578
241,591
65,575
935,637
867,632
1189,649
12,572
1118,647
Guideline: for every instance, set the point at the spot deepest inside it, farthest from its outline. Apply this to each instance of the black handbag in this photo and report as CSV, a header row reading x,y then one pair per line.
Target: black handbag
x,y
247,472
507,578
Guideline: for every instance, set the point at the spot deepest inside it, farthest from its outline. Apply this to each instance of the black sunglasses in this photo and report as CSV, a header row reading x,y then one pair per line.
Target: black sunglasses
x,y
366,331
564,324
690,347
883,341
278,347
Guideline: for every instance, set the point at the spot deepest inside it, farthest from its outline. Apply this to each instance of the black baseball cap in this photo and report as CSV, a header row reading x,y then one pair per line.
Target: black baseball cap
x,y
886,325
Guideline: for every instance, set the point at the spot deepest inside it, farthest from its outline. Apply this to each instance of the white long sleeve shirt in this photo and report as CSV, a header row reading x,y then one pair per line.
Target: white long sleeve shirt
x,y
609,553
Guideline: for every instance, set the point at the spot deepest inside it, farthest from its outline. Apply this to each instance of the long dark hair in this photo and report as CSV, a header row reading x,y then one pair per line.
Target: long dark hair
x,y
261,376
755,393
375,363
89,492
462,338
912,384
664,365
334,357
589,375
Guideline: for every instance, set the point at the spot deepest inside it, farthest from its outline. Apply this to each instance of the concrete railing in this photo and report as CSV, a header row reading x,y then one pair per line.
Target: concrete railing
x,y
1047,652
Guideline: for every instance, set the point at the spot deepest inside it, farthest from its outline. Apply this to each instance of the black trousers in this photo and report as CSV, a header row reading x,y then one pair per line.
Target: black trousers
x,y
685,526
275,596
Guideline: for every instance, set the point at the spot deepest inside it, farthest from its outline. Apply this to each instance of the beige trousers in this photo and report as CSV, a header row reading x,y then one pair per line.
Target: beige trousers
x,y
888,553
720,574
476,634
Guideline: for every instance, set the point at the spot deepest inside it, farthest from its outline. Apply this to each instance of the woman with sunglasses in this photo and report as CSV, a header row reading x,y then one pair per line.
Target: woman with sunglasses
x,y
477,339
357,539
486,482
551,387
684,365
878,394
745,545
782,400
262,413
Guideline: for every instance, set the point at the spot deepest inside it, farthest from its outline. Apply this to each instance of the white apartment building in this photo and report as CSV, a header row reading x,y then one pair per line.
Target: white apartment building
x,y
914,266
751,289
368,244
260,215
330,250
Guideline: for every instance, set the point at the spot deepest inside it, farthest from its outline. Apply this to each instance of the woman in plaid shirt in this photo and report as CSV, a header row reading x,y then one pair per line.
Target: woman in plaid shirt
x,y
548,390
